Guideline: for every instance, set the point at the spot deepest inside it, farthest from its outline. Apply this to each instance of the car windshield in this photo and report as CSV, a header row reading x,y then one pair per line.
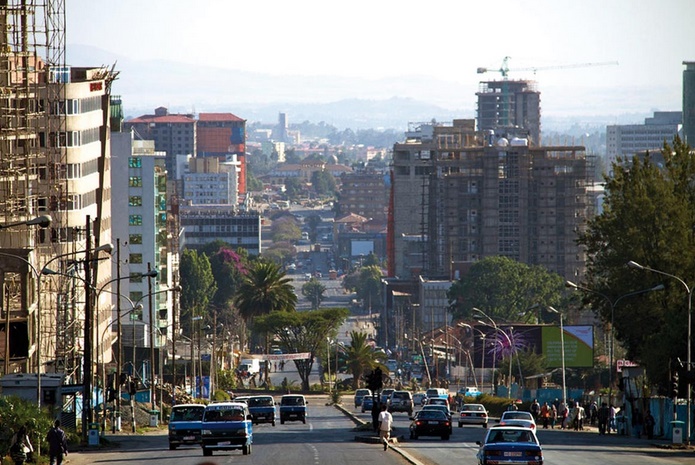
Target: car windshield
x,y
187,414
400,395
516,416
431,415
473,408
260,401
513,435
292,401
224,414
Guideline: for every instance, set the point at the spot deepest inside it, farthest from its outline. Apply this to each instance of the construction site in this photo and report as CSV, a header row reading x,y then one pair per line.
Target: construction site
x,y
54,202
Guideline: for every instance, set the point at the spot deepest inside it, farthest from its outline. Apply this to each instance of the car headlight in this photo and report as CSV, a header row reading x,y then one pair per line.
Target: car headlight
x,y
206,432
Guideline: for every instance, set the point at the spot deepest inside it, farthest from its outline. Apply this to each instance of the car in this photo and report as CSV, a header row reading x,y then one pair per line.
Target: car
x,y
401,401
262,409
437,392
185,423
385,394
517,418
469,392
244,399
440,408
473,414
367,403
430,423
226,426
293,407
419,398
510,445
437,401
360,394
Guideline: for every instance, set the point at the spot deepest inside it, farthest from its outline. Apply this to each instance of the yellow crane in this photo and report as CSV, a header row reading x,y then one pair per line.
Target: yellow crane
x,y
504,69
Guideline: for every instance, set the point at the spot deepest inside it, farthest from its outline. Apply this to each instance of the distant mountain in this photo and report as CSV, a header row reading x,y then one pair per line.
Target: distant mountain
x,y
344,102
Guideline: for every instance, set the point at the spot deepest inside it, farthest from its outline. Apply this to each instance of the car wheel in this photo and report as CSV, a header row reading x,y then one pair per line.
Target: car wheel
x,y
207,452
485,425
246,450
273,422
413,436
304,420
282,421
460,425
172,446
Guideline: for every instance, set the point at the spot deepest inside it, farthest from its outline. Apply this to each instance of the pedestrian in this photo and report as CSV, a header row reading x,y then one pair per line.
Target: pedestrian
x,y
20,446
649,423
512,407
553,416
545,415
593,413
611,420
562,414
57,444
578,416
637,422
535,409
385,422
603,417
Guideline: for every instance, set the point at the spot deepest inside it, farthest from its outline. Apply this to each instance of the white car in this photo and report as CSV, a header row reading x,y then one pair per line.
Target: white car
x,y
473,414
517,418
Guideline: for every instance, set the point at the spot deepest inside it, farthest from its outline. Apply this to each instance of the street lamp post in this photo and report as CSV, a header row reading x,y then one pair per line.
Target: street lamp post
x,y
689,291
612,303
509,341
562,352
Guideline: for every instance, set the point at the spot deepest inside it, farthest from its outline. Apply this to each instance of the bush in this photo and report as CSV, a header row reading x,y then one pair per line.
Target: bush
x,y
15,412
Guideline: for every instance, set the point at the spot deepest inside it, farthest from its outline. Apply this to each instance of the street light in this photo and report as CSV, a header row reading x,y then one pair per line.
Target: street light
x,y
42,221
482,354
689,292
612,303
562,351
509,341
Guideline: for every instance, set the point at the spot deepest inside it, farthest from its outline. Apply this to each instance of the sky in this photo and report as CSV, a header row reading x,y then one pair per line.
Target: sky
x,y
445,39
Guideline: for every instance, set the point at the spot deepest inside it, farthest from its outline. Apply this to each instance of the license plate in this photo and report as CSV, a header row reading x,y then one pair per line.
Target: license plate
x,y
512,454
224,443
189,438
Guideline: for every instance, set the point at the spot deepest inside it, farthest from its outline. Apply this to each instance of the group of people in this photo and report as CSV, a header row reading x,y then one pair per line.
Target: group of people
x,y
21,449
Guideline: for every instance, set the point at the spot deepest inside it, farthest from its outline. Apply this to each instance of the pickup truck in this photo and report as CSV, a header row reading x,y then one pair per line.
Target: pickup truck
x,y
292,407
262,409
185,423
227,426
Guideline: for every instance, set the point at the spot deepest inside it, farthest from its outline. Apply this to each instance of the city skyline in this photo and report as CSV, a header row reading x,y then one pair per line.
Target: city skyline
x,y
367,47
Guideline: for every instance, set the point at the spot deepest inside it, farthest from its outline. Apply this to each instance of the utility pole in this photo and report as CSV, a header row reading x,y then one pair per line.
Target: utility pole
x,y
119,351
151,322
87,362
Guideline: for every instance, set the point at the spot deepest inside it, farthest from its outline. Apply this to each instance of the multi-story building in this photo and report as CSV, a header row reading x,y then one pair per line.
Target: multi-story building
x,y
460,195
689,102
209,182
627,140
203,224
511,108
223,135
173,134
365,194
141,229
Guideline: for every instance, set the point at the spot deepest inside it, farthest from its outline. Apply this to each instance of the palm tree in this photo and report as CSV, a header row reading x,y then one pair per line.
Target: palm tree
x,y
263,290
360,357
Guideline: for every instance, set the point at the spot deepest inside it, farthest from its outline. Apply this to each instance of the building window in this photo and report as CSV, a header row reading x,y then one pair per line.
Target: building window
x,y
135,201
135,220
135,239
135,258
134,162
135,181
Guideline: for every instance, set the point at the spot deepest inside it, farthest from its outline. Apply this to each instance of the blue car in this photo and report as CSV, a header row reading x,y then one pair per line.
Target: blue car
x,y
510,445
185,423
367,403
293,407
227,426
262,409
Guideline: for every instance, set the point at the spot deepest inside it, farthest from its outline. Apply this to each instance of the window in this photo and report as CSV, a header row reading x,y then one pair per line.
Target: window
x,y
135,239
135,258
135,220
135,181
134,162
135,201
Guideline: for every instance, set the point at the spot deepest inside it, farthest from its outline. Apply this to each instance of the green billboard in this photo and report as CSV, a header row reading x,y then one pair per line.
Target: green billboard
x,y
579,346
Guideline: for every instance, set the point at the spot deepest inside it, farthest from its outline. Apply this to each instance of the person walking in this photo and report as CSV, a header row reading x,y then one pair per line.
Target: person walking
x,y
385,422
20,446
637,422
535,409
603,416
553,416
545,415
57,444
649,423
613,412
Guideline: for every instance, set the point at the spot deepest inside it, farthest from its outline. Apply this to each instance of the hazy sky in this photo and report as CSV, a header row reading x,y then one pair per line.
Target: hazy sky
x,y
448,39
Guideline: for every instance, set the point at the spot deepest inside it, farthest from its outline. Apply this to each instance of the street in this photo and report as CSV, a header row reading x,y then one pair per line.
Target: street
x,y
329,437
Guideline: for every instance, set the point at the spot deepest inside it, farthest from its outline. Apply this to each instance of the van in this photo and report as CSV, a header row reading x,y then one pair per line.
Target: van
x,y
293,407
251,366
262,409
227,426
185,424
434,393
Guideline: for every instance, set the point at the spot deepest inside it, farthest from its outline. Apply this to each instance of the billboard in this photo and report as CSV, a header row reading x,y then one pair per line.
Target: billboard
x,y
579,346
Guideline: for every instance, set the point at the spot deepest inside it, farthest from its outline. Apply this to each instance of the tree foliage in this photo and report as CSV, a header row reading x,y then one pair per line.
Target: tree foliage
x,y
300,332
264,289
323,183
505,290
360,357
285,229
366,281
313,290
648,217
198,284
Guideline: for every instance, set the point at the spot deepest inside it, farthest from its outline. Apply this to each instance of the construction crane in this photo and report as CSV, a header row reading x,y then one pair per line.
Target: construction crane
x,y
504,69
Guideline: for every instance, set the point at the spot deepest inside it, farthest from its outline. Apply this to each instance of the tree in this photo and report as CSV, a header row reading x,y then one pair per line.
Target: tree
x,y
303,332
649,217
360,357
313,221
197,284
294,187
505,289
285,229
371,260
313,291
280,252
323,183
366,281
264,289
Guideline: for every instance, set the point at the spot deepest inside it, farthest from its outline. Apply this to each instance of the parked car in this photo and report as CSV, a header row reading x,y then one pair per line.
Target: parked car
x,y
262,409
517,418
469,392
419,398
185,423
473,414
430,423
367,403
360,394
510,445
401,401
293,407
227,426
385,394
